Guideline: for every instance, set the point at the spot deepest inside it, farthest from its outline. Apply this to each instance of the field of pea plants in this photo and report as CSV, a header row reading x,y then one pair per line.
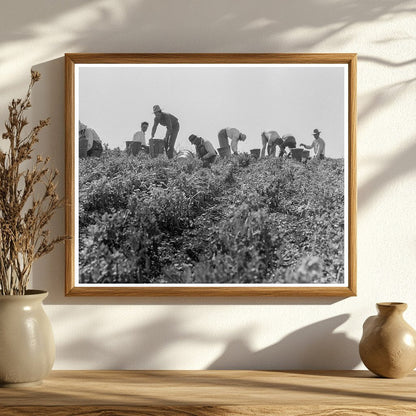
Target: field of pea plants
x,y
249,221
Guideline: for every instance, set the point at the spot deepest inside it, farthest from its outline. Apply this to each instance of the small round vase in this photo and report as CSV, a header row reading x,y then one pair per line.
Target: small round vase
x,y
27,347
388,345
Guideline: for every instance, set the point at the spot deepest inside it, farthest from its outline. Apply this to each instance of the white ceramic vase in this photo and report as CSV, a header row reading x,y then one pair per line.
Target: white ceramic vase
x,y
27,346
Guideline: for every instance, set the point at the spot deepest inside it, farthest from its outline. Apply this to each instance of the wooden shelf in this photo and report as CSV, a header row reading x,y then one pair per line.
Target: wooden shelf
x,y
203,393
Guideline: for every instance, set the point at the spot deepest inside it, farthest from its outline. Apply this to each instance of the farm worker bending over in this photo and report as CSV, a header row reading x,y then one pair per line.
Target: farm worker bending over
x,y
270,139
172,128
318,145
288,140
234,135
94,146
204,150
140,136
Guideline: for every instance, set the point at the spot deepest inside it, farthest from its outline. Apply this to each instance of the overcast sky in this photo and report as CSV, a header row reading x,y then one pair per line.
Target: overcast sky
x,y
295,99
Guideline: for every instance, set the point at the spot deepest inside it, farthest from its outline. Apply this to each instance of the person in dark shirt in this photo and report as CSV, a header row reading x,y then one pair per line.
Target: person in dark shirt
x,y
288,141
172,129
204,150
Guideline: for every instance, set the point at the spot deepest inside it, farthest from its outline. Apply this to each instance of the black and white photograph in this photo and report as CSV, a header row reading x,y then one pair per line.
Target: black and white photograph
x,y
212,175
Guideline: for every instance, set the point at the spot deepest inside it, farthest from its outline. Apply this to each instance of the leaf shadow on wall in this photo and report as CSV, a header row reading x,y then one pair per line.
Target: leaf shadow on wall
x,y
402,163
116,347
151,345
315,346
397,166
235,28
152,26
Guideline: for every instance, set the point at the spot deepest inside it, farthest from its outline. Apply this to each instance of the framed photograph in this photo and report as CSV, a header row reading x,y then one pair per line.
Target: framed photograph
x,y
211,174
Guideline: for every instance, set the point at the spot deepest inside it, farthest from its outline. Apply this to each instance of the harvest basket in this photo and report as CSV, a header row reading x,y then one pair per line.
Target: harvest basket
x,y
297,154
224,152
223,141
135,148
156,147
255,153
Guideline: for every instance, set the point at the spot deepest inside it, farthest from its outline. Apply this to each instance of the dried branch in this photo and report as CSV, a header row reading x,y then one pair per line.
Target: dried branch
x,y
23,218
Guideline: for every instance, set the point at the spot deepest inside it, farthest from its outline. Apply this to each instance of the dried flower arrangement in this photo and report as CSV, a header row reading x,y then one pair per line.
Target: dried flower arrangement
x,y
28,200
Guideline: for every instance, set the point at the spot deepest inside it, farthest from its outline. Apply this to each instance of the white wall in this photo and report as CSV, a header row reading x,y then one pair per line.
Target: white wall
x,y
197,333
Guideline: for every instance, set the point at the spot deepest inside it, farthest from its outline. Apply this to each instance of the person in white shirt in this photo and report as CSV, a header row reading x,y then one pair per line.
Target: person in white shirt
x,y
140,136
318,145
271,139
234,135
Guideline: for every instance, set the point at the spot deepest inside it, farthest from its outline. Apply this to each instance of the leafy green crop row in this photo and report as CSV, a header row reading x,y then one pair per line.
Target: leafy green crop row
x,y
145,220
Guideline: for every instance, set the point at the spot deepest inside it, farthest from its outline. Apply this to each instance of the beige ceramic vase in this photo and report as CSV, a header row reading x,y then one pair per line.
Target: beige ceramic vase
x,y
27,347
388,344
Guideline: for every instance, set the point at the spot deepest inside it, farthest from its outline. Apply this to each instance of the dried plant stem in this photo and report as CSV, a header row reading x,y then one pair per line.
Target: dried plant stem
x,y
23,218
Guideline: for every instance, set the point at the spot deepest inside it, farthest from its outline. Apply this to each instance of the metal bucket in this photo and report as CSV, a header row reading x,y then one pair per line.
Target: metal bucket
x,y
156,147
255,153
224,152
184,155
297,154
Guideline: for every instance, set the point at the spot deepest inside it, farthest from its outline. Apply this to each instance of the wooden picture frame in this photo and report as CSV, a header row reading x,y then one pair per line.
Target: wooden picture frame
x,y
251,76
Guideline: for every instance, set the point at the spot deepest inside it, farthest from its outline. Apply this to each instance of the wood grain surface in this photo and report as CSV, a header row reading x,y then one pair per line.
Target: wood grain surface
x,y
203,393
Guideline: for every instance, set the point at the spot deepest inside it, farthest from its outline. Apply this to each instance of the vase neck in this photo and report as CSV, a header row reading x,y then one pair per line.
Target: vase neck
x,y
390,308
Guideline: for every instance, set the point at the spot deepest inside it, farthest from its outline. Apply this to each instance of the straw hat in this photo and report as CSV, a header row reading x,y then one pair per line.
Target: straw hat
x,y
192,138
316,131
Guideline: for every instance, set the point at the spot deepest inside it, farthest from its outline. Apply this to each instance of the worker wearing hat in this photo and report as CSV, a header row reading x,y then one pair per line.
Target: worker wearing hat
x,y
204,150
172,129
318,145
234,135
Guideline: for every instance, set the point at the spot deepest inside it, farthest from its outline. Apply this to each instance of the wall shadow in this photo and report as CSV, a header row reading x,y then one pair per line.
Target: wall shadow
x,y
313,347
237,28
382,98
140,347
399,165
135,26
48,100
